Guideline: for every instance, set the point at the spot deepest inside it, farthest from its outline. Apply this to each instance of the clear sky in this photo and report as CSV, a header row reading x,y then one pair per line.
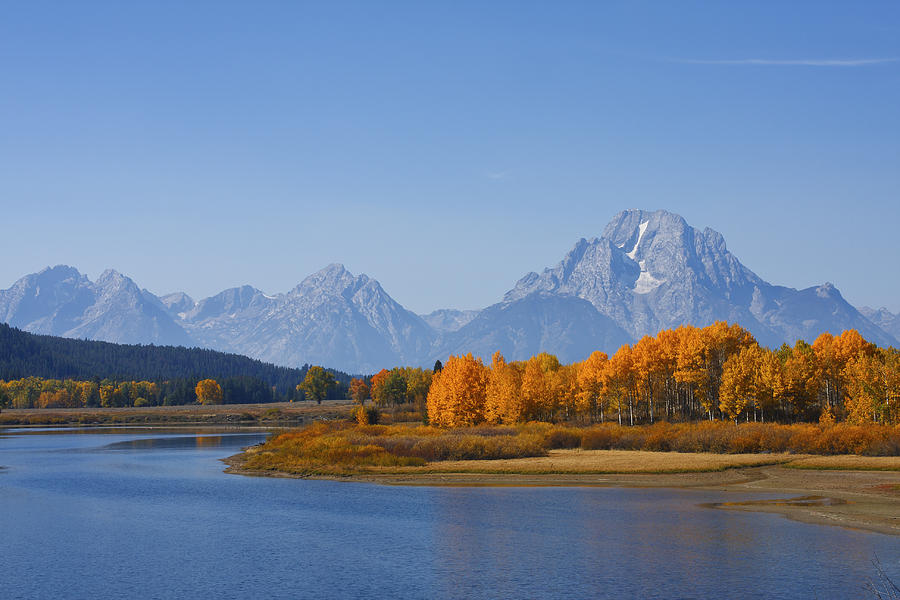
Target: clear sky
x,y
445,149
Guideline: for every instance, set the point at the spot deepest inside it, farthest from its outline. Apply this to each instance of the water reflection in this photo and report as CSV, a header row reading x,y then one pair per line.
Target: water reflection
x,y
186,442
150,514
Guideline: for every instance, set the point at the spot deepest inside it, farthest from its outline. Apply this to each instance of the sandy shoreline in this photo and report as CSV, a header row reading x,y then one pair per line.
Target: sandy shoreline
x,y
814,493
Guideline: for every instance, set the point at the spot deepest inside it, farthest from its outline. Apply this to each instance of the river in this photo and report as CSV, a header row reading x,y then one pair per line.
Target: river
x,y
148,513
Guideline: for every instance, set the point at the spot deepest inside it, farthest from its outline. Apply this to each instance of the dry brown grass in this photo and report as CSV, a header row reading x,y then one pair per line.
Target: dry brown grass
x,y
613,461
288,413
342,448
746,438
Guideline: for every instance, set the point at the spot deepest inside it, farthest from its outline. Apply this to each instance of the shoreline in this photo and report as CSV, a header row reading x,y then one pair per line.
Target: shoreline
x,y
271,414
852,496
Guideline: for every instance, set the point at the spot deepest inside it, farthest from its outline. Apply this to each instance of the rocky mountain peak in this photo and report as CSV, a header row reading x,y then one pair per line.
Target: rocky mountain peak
x,y
111,281
177,302
827,290
651,270
334,278
56,274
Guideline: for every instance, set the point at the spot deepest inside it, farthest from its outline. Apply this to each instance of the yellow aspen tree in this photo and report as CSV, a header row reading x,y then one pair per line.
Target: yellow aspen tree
x,y
590,398
849,345
801,379
436,402
457,395
667,346
564,386
720,341
828,369
503,400
770,384
873,387
535,391
648,372
622,382
690,369
739,377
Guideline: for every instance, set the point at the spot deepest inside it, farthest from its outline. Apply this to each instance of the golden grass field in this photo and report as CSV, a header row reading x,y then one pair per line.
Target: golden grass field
x,y
343,448
615,461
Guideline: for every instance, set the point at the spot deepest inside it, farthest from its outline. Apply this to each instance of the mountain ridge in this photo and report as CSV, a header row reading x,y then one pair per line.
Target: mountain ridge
x,y
647,271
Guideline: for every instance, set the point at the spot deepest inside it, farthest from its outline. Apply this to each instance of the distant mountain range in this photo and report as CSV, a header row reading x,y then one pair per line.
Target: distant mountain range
x,y
647,271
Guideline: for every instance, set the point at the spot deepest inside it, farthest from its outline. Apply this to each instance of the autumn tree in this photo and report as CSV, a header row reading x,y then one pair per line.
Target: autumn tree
x,y
690,367
592,377
418,381
720,341
377,382
564,388
801,377
622,382
391,391
317,383
503,400
649,371
359,391
738,388
458,392
873,387
667,356
538,401
770,384
208,391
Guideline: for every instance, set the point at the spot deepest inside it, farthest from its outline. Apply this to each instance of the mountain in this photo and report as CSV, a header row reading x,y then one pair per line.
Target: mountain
x,y
651,270
61,301
446,320
177,303
566,326
331,318
884,319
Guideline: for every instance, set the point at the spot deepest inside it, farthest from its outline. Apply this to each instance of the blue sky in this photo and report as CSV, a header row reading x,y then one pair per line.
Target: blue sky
x,y
445,149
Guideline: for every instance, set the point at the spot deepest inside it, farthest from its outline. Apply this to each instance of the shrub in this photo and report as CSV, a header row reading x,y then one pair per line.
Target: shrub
x,y
365,415
598,438
562,437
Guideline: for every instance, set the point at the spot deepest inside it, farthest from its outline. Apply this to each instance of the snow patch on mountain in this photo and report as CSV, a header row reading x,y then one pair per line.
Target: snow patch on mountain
x,y
646,282
643,229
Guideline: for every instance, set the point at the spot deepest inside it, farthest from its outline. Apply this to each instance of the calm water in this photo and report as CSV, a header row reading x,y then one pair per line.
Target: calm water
x,y
149,514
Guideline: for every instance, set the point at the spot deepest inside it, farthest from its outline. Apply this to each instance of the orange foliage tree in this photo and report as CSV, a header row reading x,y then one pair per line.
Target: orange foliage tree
x,y
359,391
208,391
458,392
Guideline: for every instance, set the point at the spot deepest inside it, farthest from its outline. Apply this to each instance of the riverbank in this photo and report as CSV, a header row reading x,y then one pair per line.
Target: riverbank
x,y
277,413
848,491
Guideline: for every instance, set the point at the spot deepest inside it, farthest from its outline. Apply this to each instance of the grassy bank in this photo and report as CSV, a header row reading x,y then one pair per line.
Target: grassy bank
x,y
281,413
343,448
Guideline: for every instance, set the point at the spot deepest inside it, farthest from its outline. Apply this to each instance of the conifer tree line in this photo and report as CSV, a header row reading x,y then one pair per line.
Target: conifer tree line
x,y
690,373
41,371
